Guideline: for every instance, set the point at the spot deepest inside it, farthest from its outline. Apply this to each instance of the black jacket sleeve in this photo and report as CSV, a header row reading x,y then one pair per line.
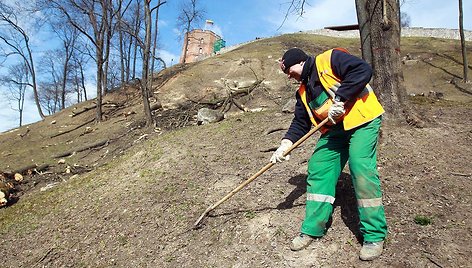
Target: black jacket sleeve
x,y
354,73
301,123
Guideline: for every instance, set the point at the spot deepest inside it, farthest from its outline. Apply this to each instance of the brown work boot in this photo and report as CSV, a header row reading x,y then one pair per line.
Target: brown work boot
x,y
371,250
301,241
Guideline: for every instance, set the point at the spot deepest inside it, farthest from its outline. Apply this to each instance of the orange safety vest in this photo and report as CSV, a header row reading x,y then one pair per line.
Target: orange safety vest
x,y
363,109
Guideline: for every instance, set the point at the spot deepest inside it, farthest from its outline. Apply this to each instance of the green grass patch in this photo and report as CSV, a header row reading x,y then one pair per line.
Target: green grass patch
x,y
250,214
423,220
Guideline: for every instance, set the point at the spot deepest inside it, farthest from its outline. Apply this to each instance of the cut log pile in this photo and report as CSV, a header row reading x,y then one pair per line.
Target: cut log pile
x,y
9,181
7,186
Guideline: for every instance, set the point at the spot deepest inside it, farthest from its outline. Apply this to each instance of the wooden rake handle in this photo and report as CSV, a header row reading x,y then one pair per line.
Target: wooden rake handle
x,y
261,171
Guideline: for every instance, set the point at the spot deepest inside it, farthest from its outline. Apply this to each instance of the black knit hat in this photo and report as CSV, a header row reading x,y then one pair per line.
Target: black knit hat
x,y
291,57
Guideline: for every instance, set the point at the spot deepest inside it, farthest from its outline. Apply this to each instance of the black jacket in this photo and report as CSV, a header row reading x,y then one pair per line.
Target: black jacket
x,y
354,73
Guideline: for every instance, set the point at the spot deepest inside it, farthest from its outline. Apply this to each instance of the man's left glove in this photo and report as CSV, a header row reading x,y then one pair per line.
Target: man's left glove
x,y
336,111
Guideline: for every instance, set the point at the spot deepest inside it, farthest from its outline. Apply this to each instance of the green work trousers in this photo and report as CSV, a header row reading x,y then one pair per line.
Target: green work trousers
x,y
332,151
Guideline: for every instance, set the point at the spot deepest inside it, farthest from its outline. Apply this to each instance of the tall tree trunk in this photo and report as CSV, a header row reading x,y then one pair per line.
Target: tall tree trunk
x,y
120,44
463,46
364,29
68,55
82,80
35,85
156,27
388,78
184,50
122,55
136,33
98,115
145,74
128,59
108,13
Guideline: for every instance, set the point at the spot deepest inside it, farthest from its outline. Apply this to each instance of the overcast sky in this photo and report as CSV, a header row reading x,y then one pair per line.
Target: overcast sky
x,y
244,20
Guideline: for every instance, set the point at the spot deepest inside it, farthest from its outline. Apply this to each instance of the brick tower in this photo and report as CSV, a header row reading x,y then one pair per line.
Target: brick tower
x,y
200,44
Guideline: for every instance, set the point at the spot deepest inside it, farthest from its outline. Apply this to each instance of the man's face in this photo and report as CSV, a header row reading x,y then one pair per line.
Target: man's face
x,y
295,71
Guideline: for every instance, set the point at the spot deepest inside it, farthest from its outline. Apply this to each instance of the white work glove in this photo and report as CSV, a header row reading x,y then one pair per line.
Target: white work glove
x,y
285,144
336,111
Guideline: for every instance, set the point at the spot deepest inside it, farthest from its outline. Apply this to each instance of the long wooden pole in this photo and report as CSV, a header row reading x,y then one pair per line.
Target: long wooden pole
x,y
261,171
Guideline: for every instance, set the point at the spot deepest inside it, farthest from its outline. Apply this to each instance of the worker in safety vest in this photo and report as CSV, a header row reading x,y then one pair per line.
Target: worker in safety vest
x,y
334,84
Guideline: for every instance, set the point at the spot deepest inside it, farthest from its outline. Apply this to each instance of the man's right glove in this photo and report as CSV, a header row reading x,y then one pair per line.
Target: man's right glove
x,y
285,144
336,111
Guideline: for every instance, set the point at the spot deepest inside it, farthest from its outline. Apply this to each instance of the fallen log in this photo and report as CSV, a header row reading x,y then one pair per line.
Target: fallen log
x,y
83,111
30,169
72,129
24,134
24,170
91,146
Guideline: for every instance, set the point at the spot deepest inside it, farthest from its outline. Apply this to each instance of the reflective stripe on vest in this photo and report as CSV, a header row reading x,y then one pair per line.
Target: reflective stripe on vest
x,y
364,109
368,203
320,198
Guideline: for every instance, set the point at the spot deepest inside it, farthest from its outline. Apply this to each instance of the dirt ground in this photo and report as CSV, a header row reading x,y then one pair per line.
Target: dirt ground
x,y
133,201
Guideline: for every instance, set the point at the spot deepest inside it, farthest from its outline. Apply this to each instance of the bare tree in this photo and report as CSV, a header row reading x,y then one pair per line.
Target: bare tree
x,y
189,16
17,40
68,36
91,18
137,19
120,25
17,81
49,96
79,63
146,78
50,89
115,9
405,20
121,44
463,46
145,83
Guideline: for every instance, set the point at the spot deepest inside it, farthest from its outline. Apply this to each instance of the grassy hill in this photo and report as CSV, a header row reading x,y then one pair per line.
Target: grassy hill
x,y
131,201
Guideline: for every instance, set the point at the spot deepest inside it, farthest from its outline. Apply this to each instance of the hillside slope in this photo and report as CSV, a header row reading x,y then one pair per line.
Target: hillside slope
x,y
135,198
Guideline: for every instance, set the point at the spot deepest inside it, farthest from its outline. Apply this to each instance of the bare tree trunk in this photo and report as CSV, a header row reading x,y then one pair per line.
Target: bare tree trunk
x,y
145,74
388,78
364,29
98,111
128,60
69,47
122,53
82,76
184,50
64,78
33,78
153,57
463,46
136,34
108,13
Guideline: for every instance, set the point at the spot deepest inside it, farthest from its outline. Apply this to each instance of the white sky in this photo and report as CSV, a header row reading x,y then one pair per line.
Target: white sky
x,y
244,20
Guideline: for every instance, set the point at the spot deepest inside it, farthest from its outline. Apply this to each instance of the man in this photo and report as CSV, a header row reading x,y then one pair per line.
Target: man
x,y
334,84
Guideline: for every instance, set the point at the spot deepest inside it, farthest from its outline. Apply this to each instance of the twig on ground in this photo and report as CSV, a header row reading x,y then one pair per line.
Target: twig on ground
x,y
461,174
45,255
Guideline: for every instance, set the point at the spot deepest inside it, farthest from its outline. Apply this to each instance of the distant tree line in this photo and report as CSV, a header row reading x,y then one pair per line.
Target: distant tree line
x,y
118,37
